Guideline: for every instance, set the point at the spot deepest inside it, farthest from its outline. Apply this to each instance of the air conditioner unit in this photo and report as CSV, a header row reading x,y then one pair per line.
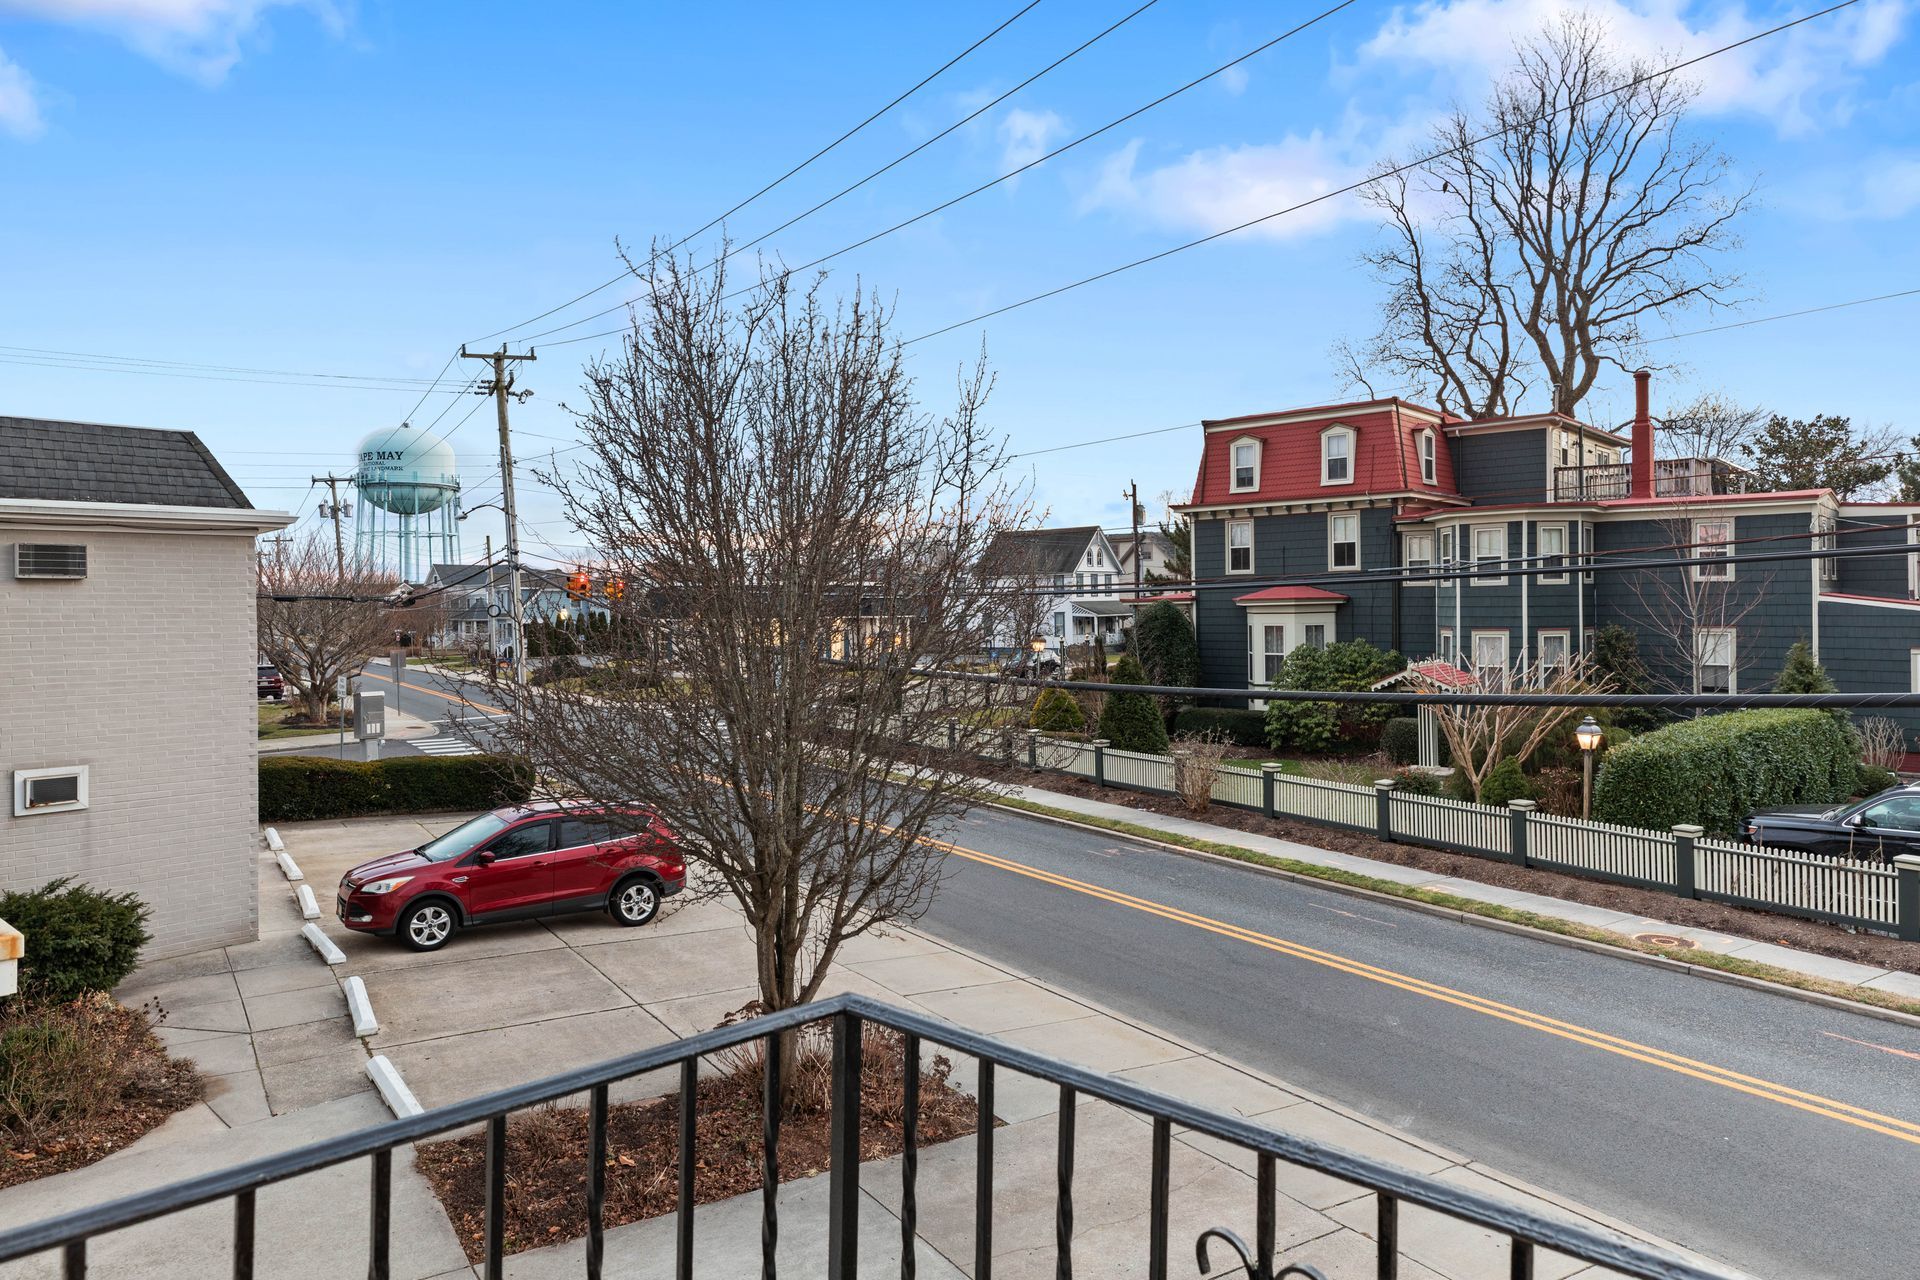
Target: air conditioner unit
x,y
49,560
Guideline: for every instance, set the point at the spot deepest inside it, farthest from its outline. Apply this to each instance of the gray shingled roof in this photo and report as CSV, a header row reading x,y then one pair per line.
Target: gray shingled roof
x,y
1018,553
90,462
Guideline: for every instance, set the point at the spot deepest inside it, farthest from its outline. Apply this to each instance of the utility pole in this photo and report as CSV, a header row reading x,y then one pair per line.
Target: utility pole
x,y
493,618
500,388
279,541
333,484
1132,496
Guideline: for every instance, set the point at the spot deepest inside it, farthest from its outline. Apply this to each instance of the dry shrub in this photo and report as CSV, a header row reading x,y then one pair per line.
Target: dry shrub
x,y
1557,791
1882,742
69,1068
809,1067
1198,759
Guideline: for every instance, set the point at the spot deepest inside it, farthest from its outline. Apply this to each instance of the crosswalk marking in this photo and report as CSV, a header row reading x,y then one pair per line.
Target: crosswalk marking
x,y
446,746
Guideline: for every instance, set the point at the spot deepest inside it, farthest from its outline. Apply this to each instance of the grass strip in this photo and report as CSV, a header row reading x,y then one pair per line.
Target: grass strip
x,y
1700,958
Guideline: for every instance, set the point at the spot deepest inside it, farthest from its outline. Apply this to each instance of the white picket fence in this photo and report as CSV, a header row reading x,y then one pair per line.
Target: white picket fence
x,y
1602,849
1826,888
1451,824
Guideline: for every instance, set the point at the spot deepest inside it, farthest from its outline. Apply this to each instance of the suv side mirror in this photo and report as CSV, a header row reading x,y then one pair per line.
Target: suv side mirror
x,y
484,858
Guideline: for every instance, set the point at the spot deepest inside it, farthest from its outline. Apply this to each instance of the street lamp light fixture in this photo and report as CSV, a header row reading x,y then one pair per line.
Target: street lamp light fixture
x,y
1589,735
1038,644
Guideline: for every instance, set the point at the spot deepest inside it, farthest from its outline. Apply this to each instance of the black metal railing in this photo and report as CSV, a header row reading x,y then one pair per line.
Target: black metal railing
x,y
1391,1185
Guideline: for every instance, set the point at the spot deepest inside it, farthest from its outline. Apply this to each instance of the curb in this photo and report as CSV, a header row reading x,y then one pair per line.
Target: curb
x,y
1490,922
393,1089
361,1008
323,944
274,842
309,909
288,867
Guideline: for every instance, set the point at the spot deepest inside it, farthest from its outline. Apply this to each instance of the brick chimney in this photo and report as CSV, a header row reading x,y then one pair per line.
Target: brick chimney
x,y
1641,472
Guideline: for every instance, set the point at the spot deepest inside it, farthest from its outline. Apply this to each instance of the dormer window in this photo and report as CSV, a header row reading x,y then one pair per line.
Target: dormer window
x,y
1336,455
1429,464
1246,466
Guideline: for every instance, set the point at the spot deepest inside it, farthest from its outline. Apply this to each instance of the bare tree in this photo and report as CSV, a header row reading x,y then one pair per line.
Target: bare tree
x,y
1690,615
1712,426
318,620
1536,239
1480,737
796,542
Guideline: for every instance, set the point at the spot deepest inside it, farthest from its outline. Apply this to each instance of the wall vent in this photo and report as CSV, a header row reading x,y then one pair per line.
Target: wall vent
x,y
49,560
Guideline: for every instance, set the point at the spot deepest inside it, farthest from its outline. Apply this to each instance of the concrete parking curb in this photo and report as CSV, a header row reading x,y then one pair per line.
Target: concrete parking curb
x,y
393,1088
274,842
288,867
323,944
309,909
1489,922
361,1008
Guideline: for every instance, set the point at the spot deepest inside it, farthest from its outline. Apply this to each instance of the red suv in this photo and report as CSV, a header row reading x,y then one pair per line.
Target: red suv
x,y
516,864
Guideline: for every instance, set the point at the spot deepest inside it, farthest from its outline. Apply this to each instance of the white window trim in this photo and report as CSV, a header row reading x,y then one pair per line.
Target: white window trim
x,y
1700,541
1506,651
1473,558
1331,542
1566,646
1700,638
1426,447
21,777
1447,650
1353,460
1566,550
1913,562
1233,469
1227,545
1913,669
1408,562
1260,629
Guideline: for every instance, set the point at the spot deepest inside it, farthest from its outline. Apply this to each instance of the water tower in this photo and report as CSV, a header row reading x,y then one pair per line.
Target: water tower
x,y
408,519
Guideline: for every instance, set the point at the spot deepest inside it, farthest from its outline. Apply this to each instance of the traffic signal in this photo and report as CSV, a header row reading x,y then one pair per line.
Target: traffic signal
x,y
579,585
616,588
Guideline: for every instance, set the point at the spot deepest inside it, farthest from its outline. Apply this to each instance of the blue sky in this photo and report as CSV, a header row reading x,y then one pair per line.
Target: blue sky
x,y
344,188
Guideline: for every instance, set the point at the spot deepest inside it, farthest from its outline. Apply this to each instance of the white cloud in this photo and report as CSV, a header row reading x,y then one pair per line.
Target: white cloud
x,y
202,39
1219,187
1025,135
1800,79
19,102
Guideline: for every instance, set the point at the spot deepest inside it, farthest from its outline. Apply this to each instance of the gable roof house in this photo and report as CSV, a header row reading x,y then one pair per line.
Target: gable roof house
x,y
127,659
1067,582
1340,502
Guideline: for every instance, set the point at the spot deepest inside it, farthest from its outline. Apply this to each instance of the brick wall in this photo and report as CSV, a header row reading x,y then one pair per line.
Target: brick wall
x,y
144,672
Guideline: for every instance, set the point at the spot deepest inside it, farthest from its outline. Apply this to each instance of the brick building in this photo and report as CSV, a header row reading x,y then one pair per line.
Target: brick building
x,y
1353,492
127,657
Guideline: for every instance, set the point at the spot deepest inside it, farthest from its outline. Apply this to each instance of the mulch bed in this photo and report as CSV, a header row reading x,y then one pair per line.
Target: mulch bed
x,y
546,1199
130,1086
1788,931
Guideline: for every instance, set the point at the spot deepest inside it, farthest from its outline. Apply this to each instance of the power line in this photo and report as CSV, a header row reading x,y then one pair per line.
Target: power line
x,y
1014,173
1427,159
408,388
1784,315
921,84
218,368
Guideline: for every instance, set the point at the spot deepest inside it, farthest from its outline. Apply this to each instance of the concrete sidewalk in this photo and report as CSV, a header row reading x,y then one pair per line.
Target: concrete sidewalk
x,y
400,726
1626,924
512,1003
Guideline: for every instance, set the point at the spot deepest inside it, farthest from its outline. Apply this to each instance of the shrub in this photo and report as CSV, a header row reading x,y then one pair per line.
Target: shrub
x,y
1240,727
1871,778
1163,640
1714,770
1616,657
1400,739
79,940
1558,791
1131,721
1802,673
1198,771
299,788
1055,711
1507,782
65,1064
1416,782
1345,666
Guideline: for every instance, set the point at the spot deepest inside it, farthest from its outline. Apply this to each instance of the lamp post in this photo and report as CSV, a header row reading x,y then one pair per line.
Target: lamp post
x,y
1589,735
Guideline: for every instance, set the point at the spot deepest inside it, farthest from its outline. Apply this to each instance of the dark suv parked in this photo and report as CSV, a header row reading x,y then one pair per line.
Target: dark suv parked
x,y
1876,828
516,864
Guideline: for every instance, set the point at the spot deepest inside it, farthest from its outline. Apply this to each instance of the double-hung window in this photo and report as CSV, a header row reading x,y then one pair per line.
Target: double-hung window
x,y
1553,552
1714,659
1429,466
1273,651
1343,541
1246,465
1489,554
1710,539
1490,658
1418,557
1553,654
1336,455
1315,635
1446,644
1240,546
1824,539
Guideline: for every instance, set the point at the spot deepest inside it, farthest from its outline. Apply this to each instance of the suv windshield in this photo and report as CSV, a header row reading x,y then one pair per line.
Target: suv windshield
x,y
463,838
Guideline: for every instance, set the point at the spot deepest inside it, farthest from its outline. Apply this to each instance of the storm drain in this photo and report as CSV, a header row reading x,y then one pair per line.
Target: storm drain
x,y
1666,940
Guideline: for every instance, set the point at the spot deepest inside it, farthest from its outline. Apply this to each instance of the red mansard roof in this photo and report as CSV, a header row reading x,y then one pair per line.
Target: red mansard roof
x,y
1385,456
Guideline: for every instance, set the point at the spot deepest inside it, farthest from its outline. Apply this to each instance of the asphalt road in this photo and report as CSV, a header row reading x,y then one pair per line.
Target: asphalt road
x,y
1776,1135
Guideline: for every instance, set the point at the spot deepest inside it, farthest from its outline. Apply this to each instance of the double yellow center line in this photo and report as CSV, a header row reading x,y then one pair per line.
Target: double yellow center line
x,y
1725,1077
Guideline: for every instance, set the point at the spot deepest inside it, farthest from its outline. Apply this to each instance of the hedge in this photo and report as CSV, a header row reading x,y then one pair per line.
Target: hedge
x,y
1242,728
1715,770
297,788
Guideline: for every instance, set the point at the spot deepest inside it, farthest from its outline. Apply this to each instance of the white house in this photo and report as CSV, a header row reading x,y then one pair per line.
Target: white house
x,y
1074,575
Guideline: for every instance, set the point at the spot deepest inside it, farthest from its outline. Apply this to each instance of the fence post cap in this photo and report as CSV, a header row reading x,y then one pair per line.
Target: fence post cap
x,y
1033,733
1906,861
1385,784
1524,806
1271,766
1180,753
1689,829
1102,742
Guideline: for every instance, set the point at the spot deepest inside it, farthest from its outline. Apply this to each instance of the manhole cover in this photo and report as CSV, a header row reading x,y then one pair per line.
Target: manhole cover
x,y
1666,940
